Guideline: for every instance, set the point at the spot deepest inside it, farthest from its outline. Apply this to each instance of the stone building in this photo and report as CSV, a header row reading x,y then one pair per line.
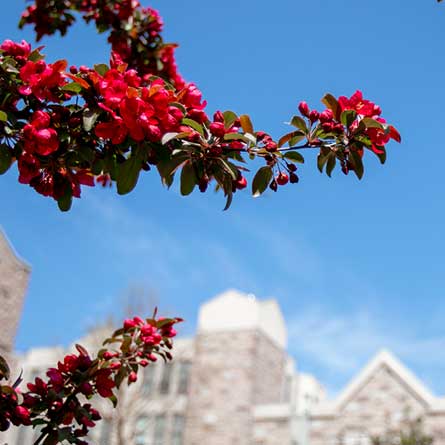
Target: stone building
x,y
233,383
384,397
14,275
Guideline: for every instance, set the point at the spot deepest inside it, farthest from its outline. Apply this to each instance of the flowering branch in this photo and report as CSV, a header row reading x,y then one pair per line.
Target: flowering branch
x,y
68,128
59,406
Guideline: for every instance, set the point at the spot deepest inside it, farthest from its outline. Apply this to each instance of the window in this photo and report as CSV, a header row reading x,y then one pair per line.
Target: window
x,y
141,431
183,379
148,379
159,432
178,430
166,377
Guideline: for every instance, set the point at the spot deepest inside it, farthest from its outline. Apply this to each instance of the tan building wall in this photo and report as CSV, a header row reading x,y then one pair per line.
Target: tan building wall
x,y
14,275
387,399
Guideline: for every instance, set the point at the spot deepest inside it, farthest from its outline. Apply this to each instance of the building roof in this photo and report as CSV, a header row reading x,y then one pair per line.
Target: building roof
x,y
382,359
235,310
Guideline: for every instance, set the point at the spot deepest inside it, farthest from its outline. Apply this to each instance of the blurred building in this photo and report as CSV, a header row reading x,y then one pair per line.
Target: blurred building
x,y
14,275
384,397
234,383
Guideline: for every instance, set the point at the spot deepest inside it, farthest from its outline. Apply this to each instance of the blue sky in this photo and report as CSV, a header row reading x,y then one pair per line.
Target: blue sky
x,y
354,265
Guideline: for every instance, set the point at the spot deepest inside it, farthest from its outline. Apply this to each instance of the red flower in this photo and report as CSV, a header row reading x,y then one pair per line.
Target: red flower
x,y
29,167
20,51
23,415
361,106
42,80
55,378
115,130
104,384
39,138
113,87
137,116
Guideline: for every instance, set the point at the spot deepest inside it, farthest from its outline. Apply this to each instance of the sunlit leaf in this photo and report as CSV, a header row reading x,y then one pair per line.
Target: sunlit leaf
x,y
261,180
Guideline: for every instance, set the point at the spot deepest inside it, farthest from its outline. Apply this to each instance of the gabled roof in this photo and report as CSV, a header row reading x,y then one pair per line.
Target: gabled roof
x,y
383,359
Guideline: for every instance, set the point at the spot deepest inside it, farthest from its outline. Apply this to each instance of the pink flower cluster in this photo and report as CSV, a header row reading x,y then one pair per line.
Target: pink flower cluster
x,y
60,399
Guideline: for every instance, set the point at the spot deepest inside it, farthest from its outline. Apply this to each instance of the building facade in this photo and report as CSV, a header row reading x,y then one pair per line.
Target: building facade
x,y
14,276
233,383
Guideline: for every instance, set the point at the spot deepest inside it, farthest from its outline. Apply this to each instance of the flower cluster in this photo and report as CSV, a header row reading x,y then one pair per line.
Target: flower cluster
x,y
135,32
58,404
123,122
66,128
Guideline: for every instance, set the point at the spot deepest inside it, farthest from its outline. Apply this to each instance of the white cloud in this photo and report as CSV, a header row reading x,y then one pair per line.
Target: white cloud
x,y
336,346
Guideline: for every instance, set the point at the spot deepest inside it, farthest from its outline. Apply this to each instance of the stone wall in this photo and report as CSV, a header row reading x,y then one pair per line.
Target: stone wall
x,y
232,371
272,432
14,276
382,404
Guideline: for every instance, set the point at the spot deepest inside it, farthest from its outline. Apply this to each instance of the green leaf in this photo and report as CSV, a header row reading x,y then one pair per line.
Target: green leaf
x,y
331,102
356,160
261,180
300,123
381,156
4,369
128,173
294,156
168,167
330,165
296,139
113,400
89,119
246,124
188,179
73,87
35,56
295,136
3,116
229,118
5,158
371,123
193,124
235,136
229,199
348,117
65,201
170,136
322,158
101,68
229,168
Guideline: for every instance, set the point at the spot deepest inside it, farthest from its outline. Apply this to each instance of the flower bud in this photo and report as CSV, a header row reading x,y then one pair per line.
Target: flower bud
x,y
326,115
240,184
217,129
282,178
313,116
218,117
304,108
132,377
293,178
